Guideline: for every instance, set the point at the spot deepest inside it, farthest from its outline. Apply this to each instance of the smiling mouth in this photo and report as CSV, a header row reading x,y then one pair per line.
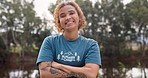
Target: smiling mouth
x,y
69,22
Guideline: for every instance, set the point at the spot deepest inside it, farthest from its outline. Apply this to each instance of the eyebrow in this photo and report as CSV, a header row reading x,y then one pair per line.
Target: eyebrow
x,y
71,10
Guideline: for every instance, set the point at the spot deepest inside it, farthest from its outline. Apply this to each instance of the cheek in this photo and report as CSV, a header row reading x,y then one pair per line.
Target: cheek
x,y
78,20
62,22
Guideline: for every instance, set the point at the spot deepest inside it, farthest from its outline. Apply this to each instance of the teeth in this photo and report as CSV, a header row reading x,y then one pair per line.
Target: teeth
x,y
69,22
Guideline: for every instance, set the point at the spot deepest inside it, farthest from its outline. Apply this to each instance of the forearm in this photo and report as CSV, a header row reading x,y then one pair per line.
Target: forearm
x,y
80,72
88,71
46,71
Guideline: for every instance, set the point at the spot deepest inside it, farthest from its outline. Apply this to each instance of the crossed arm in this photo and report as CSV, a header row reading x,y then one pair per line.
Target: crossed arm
x,y
57,70
46,71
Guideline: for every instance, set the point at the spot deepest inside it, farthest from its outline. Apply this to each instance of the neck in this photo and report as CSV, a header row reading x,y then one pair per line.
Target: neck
x,y
71,35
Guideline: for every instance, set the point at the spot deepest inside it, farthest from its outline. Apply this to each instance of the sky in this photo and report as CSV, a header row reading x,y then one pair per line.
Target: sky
x,y
41,7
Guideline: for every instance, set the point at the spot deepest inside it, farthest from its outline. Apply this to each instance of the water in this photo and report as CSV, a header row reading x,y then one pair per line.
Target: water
x,y
23,74
19,70
26,70
134,72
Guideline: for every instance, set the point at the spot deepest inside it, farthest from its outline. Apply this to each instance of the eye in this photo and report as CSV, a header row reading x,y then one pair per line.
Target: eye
x,y
62,15
71,12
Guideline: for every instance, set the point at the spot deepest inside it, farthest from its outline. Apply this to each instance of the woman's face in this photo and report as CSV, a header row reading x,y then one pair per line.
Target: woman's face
x,y
69,18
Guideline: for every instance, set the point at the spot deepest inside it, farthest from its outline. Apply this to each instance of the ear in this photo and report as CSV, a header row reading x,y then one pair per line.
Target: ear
x,y
80,22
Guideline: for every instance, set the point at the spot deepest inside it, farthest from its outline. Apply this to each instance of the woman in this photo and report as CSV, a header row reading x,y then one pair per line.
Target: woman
x,y
69,55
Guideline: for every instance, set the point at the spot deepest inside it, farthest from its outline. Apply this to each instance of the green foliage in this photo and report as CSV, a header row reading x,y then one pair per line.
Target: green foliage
x,y
22,27
138,10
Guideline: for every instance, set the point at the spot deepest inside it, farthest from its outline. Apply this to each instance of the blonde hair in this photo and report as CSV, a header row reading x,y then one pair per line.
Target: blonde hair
x,y
82,20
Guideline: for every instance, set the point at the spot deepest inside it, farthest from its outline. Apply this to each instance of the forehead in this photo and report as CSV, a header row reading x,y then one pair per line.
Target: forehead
x,y
66,8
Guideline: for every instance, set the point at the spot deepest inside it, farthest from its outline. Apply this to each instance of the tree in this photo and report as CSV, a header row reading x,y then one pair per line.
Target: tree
x,y
138,10
20,23
3,53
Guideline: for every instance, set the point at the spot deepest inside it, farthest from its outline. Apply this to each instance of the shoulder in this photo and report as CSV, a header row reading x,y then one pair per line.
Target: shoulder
x,y
89,40
53,37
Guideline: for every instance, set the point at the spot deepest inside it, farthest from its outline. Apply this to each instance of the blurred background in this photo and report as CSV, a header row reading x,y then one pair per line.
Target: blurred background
x,y
119,26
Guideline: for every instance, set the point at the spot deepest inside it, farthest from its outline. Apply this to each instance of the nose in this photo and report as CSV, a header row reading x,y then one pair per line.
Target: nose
x,y
68,17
